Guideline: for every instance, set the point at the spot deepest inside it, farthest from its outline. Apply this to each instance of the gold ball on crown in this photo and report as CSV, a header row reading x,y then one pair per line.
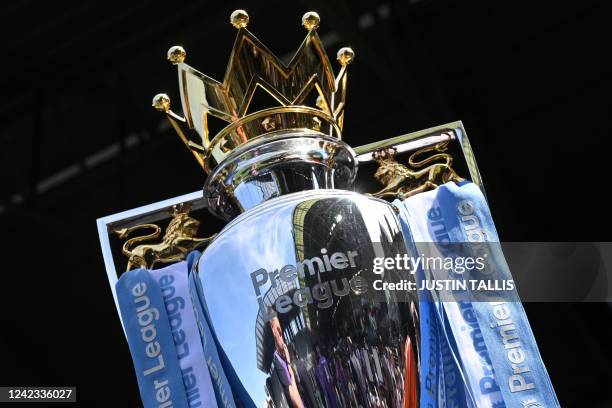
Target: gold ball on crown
x,y
239,19
176,54
161,102
311,20
345,56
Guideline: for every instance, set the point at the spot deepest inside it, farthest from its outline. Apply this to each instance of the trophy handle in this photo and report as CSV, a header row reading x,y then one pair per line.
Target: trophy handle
x,y
180,238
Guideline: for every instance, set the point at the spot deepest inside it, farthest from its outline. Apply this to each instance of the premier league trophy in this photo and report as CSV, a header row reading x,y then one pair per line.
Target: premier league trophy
x,y
286,306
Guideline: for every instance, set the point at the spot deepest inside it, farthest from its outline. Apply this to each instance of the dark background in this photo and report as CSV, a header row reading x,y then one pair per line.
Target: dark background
x,y
79,140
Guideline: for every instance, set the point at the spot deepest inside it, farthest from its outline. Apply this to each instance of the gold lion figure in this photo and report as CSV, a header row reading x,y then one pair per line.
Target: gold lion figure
x,y
179,239
403,181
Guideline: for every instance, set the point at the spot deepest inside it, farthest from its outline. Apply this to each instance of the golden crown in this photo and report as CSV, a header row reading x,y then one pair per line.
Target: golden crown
x,y
254,68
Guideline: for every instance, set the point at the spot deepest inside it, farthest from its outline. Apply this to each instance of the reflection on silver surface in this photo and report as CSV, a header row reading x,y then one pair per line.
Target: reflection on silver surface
x,y
285,285
277,164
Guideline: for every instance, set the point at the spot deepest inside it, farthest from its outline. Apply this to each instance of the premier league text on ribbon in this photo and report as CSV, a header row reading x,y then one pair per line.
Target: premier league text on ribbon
x,y
147,315
512,343
174,304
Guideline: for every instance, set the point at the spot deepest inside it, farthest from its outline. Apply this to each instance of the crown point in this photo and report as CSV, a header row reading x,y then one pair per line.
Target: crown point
x,y
239,19
176,54
345,56
311,20
161,102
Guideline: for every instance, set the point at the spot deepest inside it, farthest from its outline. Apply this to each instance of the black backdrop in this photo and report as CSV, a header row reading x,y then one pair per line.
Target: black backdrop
x,y
79,140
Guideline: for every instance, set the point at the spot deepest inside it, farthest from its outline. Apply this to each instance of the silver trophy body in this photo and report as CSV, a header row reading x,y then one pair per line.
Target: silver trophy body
x,y
286,283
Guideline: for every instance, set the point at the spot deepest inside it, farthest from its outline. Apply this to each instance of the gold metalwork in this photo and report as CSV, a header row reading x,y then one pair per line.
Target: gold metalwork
x,y
285,117
253,68
345,56
178,240
319,103
311,20
161,102
268,124
239,19
403,181
177,54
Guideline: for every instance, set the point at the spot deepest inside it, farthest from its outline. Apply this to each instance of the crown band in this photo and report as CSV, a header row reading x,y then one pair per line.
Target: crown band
x,y
264,123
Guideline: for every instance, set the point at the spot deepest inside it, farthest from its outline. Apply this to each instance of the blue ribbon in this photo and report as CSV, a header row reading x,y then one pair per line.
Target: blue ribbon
x,y
442,383
150,340
514,354
223,391
502,336
173,281
229,389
